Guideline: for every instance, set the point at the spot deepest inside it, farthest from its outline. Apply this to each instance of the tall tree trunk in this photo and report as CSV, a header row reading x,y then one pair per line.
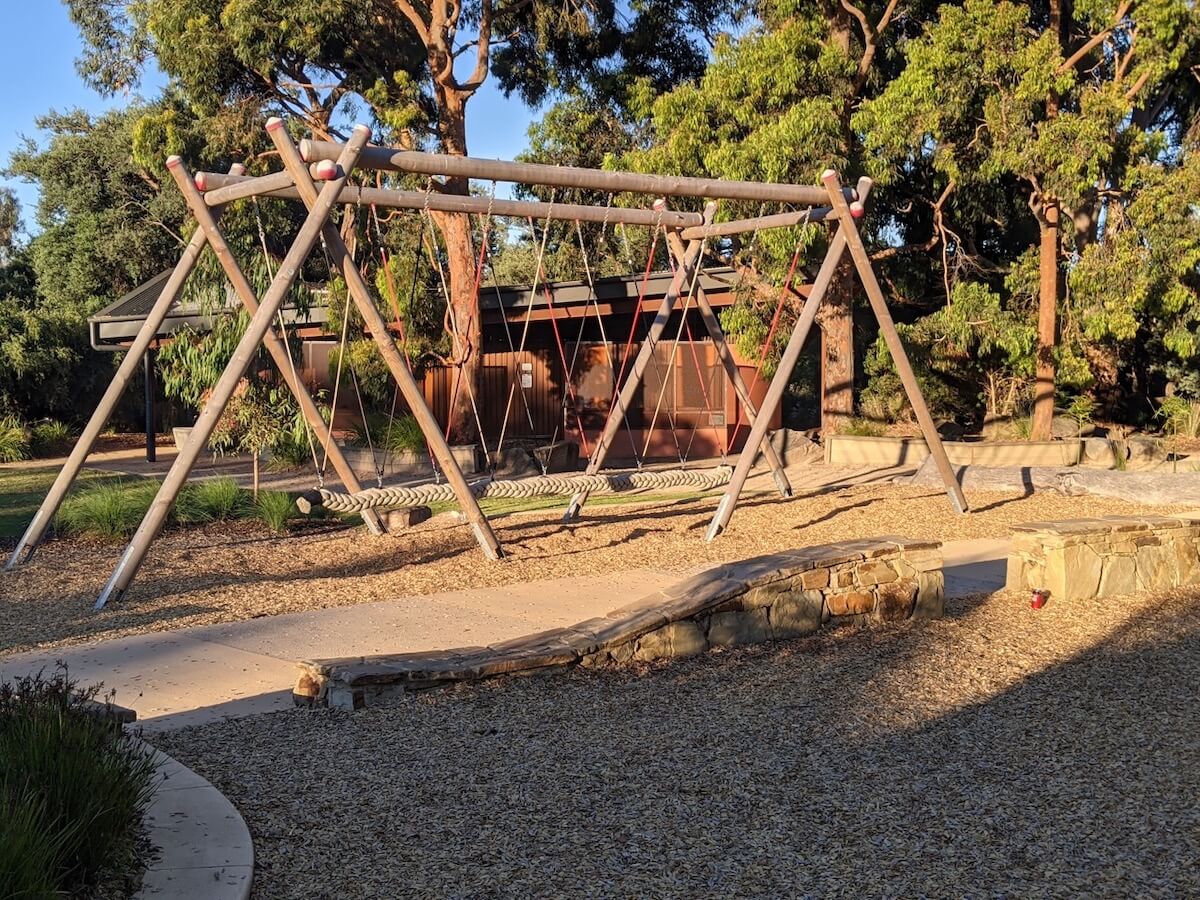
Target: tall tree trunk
x,y
466,329
1043,398
836,321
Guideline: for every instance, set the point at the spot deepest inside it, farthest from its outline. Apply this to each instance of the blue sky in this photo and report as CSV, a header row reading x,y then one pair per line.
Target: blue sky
x,y
37,67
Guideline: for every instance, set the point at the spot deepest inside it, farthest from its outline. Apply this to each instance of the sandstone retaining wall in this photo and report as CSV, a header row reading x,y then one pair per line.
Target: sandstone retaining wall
x,y
784,595
1084,558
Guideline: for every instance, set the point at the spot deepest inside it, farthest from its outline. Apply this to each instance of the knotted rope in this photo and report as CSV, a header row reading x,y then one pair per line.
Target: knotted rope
x,y
517,489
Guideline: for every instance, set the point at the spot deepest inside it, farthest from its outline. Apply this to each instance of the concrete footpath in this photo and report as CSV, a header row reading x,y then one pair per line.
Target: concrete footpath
x,y
196,675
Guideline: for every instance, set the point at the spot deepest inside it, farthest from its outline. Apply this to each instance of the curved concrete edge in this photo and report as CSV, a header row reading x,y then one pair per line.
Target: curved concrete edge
x,y
775,597
204,846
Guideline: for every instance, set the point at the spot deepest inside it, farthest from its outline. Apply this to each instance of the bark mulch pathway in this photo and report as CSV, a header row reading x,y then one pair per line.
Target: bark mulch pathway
x,y
1001,751
240,571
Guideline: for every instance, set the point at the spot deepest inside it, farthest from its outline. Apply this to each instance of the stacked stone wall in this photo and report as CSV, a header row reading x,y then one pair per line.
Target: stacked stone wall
x,y
777,597
1084,558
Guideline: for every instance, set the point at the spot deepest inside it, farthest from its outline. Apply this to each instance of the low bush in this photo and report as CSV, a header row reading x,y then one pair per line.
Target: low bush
x,y
112,510
72,790
396,435
50,438
213,500
274,509
14,440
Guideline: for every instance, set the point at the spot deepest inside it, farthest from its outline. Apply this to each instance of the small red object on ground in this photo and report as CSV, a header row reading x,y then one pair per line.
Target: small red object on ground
x,y
1040,596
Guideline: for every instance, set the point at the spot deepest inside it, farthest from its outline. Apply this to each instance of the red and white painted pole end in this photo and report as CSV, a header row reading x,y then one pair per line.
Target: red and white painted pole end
x,y
305,149
325,170
828,174
857,209
660,204
237,169
201,182
174,162
274,123
360,129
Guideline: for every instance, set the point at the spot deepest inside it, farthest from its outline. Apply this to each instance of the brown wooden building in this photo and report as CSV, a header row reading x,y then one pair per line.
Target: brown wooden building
x,y
549,390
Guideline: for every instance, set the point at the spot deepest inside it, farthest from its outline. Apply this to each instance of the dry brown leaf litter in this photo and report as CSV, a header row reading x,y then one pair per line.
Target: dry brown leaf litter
x,y
1001,751
225,573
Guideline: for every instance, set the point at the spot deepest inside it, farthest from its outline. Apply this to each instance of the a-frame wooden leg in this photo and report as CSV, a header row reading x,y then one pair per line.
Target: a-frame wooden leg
x,y
274,343
227,384
112,396
862,262
713,326
626,394
779,383
361,295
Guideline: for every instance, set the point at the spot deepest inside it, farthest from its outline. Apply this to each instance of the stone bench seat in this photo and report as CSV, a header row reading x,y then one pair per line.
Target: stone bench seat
x,y
1078,559
775,597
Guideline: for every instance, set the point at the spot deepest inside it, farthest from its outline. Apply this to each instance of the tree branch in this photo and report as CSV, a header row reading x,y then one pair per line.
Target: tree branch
x,y
1096,40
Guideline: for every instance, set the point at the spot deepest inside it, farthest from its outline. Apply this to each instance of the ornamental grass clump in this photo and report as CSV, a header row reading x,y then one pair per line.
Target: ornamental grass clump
x,y
274,509
212,500
110,511
73,787
14,440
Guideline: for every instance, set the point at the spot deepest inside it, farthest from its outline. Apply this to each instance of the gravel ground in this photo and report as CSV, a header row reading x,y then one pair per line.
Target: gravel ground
x,y
1001,751
234,572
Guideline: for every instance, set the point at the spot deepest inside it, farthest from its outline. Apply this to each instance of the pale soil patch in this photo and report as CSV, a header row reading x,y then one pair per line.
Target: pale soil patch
x,y
236,572
1001,751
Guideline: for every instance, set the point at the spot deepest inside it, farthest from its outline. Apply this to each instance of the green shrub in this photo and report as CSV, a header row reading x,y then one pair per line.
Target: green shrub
x,y
292,452
274,509
72,789
1180,416
213,500
864,428
401,434
50,438
14,440
112,510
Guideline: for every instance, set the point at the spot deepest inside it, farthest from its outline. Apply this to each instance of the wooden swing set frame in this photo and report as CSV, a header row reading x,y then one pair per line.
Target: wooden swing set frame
x,y
316,173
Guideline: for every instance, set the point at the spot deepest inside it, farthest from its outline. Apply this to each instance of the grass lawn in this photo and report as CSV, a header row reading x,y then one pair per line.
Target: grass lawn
x,y
22,490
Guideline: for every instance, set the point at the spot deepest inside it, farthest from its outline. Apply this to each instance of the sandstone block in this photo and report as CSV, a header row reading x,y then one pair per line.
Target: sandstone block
x,y
1155,567
399,519
734,629
930,601
850,603
815,580
1073,572
896,599
1119,577
796,614
875,572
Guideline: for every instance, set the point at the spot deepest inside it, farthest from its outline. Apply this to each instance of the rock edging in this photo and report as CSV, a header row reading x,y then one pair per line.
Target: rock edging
x,y
775,597
204,847
1078,559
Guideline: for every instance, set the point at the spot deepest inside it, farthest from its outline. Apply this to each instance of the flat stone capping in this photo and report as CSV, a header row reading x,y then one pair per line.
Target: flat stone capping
x,y
1078,559
784,595
204,847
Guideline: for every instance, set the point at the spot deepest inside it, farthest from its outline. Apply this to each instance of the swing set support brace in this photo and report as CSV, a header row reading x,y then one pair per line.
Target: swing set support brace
x,y
616,415
846,237
361,295
227,384
713,326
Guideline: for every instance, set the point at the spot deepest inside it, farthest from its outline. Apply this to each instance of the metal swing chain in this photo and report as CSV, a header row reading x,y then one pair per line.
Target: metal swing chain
x,y
262,239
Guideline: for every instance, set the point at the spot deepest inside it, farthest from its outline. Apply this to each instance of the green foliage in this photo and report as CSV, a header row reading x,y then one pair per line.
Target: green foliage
x,y
1082,409
274,509
362,364
109,511
211,500
50,438
402,434
14,440
863,427
72,789
1180,416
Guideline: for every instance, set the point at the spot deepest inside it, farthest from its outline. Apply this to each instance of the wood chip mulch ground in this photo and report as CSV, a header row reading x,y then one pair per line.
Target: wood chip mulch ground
x,y
239,571
1001,751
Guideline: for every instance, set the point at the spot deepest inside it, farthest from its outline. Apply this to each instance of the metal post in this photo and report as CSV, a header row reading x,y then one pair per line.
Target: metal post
x,y
148,369
274,343
912,388
361,294
112,396
713,326
243,354
783,374
617,414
